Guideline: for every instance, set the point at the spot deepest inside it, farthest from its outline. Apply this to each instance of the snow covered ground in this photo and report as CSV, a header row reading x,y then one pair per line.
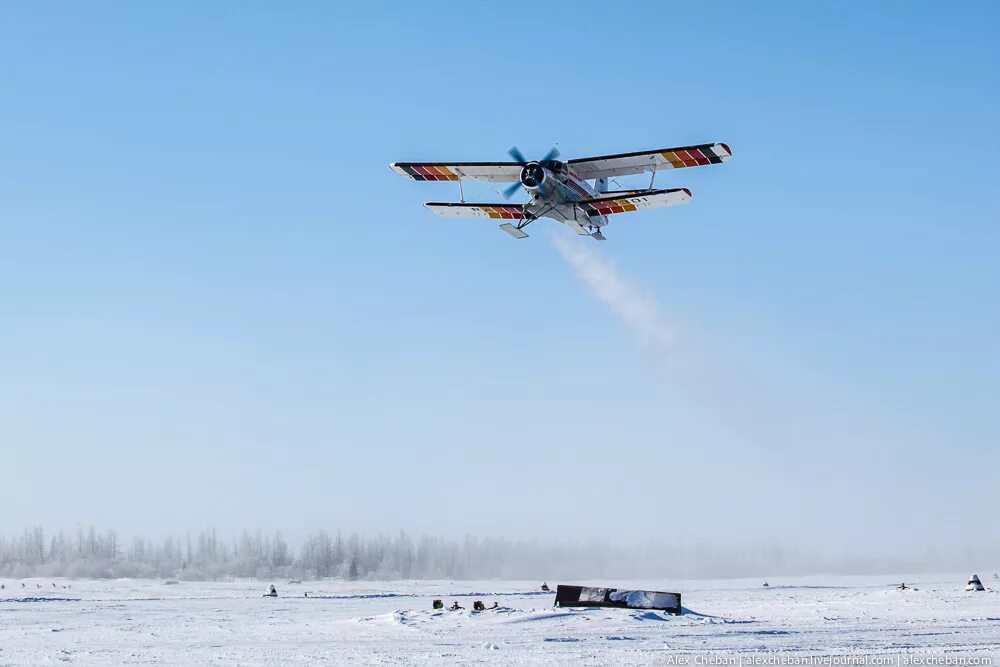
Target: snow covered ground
x,y
139,622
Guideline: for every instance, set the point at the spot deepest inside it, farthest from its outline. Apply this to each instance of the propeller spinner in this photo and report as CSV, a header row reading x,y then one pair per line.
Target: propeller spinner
x,y
532,173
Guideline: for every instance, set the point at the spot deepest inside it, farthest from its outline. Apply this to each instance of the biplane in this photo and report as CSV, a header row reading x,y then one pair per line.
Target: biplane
x,y
574,192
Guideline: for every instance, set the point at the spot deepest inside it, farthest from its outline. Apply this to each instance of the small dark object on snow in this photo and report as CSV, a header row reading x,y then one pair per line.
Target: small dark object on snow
x,y
545,587
438,604
455,606
478,605
903,587
306,594
767,585
496,605
272,592
974,584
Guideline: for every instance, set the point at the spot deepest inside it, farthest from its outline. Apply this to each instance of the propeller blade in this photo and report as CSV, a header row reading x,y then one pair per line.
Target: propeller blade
x,y
509,192
551,155
518,156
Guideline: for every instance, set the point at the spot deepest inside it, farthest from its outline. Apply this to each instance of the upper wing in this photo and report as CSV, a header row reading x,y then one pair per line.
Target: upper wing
x,y
649,199
491,172
496,211
627,164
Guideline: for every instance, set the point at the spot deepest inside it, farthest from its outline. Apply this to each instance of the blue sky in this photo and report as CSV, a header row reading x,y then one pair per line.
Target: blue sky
x,y
219,307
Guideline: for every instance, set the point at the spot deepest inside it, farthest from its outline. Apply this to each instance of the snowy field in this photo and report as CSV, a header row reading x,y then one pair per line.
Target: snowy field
x,y
142,622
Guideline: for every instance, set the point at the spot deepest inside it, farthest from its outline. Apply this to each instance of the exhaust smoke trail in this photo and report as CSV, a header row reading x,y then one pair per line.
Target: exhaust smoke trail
x,y
733,396
639,312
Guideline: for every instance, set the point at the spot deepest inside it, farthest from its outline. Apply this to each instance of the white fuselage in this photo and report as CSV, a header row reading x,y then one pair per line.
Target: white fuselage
x,y
557,193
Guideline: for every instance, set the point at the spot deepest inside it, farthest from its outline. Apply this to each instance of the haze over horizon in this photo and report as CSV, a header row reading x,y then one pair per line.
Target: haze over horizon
x,y
219,308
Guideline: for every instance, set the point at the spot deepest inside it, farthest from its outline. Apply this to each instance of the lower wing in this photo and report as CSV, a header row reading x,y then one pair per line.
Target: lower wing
x,y
495,211
637,202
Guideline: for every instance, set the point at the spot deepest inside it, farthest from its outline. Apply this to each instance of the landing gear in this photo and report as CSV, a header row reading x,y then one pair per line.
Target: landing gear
x,y
598,236
517,232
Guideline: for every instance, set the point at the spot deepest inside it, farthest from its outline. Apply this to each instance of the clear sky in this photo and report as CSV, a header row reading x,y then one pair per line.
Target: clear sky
x,y
219,307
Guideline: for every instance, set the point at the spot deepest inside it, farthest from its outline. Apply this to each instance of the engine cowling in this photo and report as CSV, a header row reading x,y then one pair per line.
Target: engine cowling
x,y
533,175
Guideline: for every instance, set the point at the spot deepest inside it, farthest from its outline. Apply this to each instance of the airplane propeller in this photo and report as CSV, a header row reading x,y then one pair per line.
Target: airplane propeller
x,y
514,187
519,158
551,155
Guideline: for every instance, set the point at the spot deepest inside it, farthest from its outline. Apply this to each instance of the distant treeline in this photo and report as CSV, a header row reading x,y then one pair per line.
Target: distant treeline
x,y
88,553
